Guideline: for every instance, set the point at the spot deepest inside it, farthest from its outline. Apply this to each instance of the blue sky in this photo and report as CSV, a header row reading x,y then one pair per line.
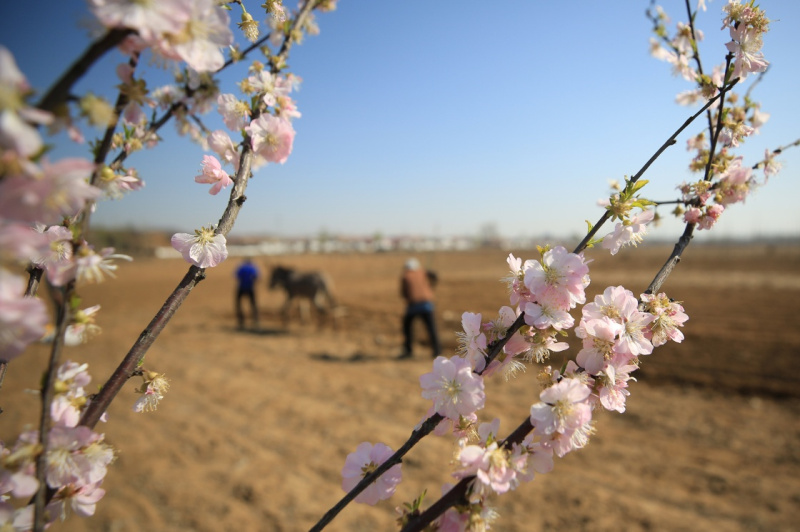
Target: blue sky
x,y
442,117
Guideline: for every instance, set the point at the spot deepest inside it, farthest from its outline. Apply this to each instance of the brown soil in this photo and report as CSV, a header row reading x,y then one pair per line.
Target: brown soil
x,y
256,426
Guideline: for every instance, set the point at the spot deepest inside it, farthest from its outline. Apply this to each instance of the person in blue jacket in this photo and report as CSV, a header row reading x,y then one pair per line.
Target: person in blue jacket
x,y
246,276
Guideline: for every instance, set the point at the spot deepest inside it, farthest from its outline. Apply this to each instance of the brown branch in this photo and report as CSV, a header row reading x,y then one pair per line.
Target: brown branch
x,y
59,92
458,494
62,303
136,354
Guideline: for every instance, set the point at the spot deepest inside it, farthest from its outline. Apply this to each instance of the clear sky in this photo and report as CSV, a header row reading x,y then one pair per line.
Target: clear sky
x,y
441,117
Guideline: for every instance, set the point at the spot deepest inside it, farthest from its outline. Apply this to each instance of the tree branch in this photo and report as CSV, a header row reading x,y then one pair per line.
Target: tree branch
x,y
59,92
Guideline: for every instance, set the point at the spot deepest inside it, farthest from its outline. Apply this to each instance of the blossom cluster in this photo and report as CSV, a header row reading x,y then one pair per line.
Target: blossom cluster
x,y
45,206
616,329
40,202
725,179
76,458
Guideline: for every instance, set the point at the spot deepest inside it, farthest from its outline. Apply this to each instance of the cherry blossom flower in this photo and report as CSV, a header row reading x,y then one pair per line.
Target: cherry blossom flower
x,y
633,340
365,460
454,388
21,243
758,119
271,137
222,145
115,185
563,407
234,111
746,45
82,499
153,388
22,319
562,273
548,313
83,326
669,315
770,166
18,471
149,19
59,189
735,183
204,249
541,344
599,337
516,280
86,266
612,386
472,342
213,173
65,463
198,42
628,233
18,135
490,465
530,458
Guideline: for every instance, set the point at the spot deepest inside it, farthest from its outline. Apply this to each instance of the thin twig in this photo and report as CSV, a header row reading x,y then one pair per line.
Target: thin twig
x,y
47,392
457,494
59,92
136,354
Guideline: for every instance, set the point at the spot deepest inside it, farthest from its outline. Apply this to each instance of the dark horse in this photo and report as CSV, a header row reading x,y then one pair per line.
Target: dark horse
x,y
315,287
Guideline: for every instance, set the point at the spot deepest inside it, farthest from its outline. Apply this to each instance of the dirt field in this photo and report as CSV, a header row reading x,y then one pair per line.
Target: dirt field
x,y
256,427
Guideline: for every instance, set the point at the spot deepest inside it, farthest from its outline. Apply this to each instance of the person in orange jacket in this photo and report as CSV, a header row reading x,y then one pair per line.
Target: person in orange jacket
x,y
415,287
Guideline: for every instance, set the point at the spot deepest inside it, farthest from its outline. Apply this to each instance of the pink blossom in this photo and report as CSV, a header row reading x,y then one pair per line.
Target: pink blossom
x,y
490,465
746,45
563,407
222,145
735,183
472,342
454,388
84,500
669,315
204,31
18,135
692,215
547,314
463,427
203,249
365,460
149,19
61,189
516,285
771,167
18,476
704,220
22,319
615,302
628,233
86,266
758,119
541,343
613,386
562,443
65,463
564,273
234,111
213,173
271,137
530,458
21,243
599,337
634,339
10,74
115,185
